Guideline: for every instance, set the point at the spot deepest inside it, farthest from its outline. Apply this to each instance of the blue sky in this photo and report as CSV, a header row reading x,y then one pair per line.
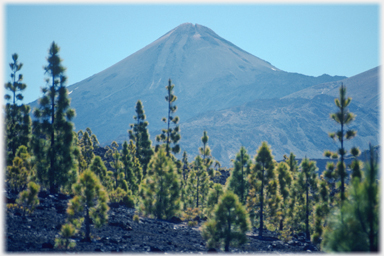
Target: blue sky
x,y
310,39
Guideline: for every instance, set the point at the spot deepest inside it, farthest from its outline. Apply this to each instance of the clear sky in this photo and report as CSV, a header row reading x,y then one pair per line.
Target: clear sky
x,y
310,39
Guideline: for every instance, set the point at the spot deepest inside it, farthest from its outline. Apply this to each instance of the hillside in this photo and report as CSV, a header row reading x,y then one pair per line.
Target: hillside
x,y
209,73
297,123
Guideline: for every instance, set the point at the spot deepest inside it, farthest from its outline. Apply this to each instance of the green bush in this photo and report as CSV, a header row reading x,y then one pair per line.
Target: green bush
x,y
67,231
120,196
28,199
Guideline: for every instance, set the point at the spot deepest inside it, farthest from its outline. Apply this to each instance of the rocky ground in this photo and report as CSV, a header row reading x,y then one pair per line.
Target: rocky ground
x,y
37,232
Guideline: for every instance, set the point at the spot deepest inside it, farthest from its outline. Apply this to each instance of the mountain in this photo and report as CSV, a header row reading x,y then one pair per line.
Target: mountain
x,y
209,73
298,123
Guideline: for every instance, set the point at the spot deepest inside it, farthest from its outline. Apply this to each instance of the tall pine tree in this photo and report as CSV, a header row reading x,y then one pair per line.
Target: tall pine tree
x,y
140,135
170,135
238,182
354,227
17,120
342,117
53,124
205,152
261,175
308,182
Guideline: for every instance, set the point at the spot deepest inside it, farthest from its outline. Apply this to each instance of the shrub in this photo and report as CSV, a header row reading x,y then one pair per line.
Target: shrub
x,y
28,199
120,196
90,198
67,231
229,224
192,223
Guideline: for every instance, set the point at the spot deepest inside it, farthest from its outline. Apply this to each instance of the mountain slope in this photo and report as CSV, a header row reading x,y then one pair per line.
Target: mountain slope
x,y
209,73
363,87
297,123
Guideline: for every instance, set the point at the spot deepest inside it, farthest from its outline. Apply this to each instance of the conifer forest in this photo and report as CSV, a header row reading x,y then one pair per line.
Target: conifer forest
x,y
65,192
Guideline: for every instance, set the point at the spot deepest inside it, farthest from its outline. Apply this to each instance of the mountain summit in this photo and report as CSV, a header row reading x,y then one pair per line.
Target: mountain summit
x,y
209,73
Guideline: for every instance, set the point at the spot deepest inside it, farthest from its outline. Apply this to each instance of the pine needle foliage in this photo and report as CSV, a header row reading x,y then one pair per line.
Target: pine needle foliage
x,y
117,165
355,226
98,168
342,117
64,240
205,152
285,178
53,123
296,202
28,199
131,166
170,135
228,225
198,184
262,173
238,181
19,173
214,195
140,135
89,201
160,190
86,146
308,183
17,120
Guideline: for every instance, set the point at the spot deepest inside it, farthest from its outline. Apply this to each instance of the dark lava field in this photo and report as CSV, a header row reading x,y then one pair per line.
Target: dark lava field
x,y
37,232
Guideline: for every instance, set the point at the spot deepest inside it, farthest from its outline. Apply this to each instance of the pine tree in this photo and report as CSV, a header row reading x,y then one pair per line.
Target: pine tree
x,y
53,123
308,182
213,197
18,174
160,191
261,174
28,199
321,210
98,168
17,120
355,165
186,169
64,241
170,135
86,145
118,174
229,224
292,218
285,181
238,182
205,152
198,183
342,117
94,140
140,135
131,166
90,202
354,227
